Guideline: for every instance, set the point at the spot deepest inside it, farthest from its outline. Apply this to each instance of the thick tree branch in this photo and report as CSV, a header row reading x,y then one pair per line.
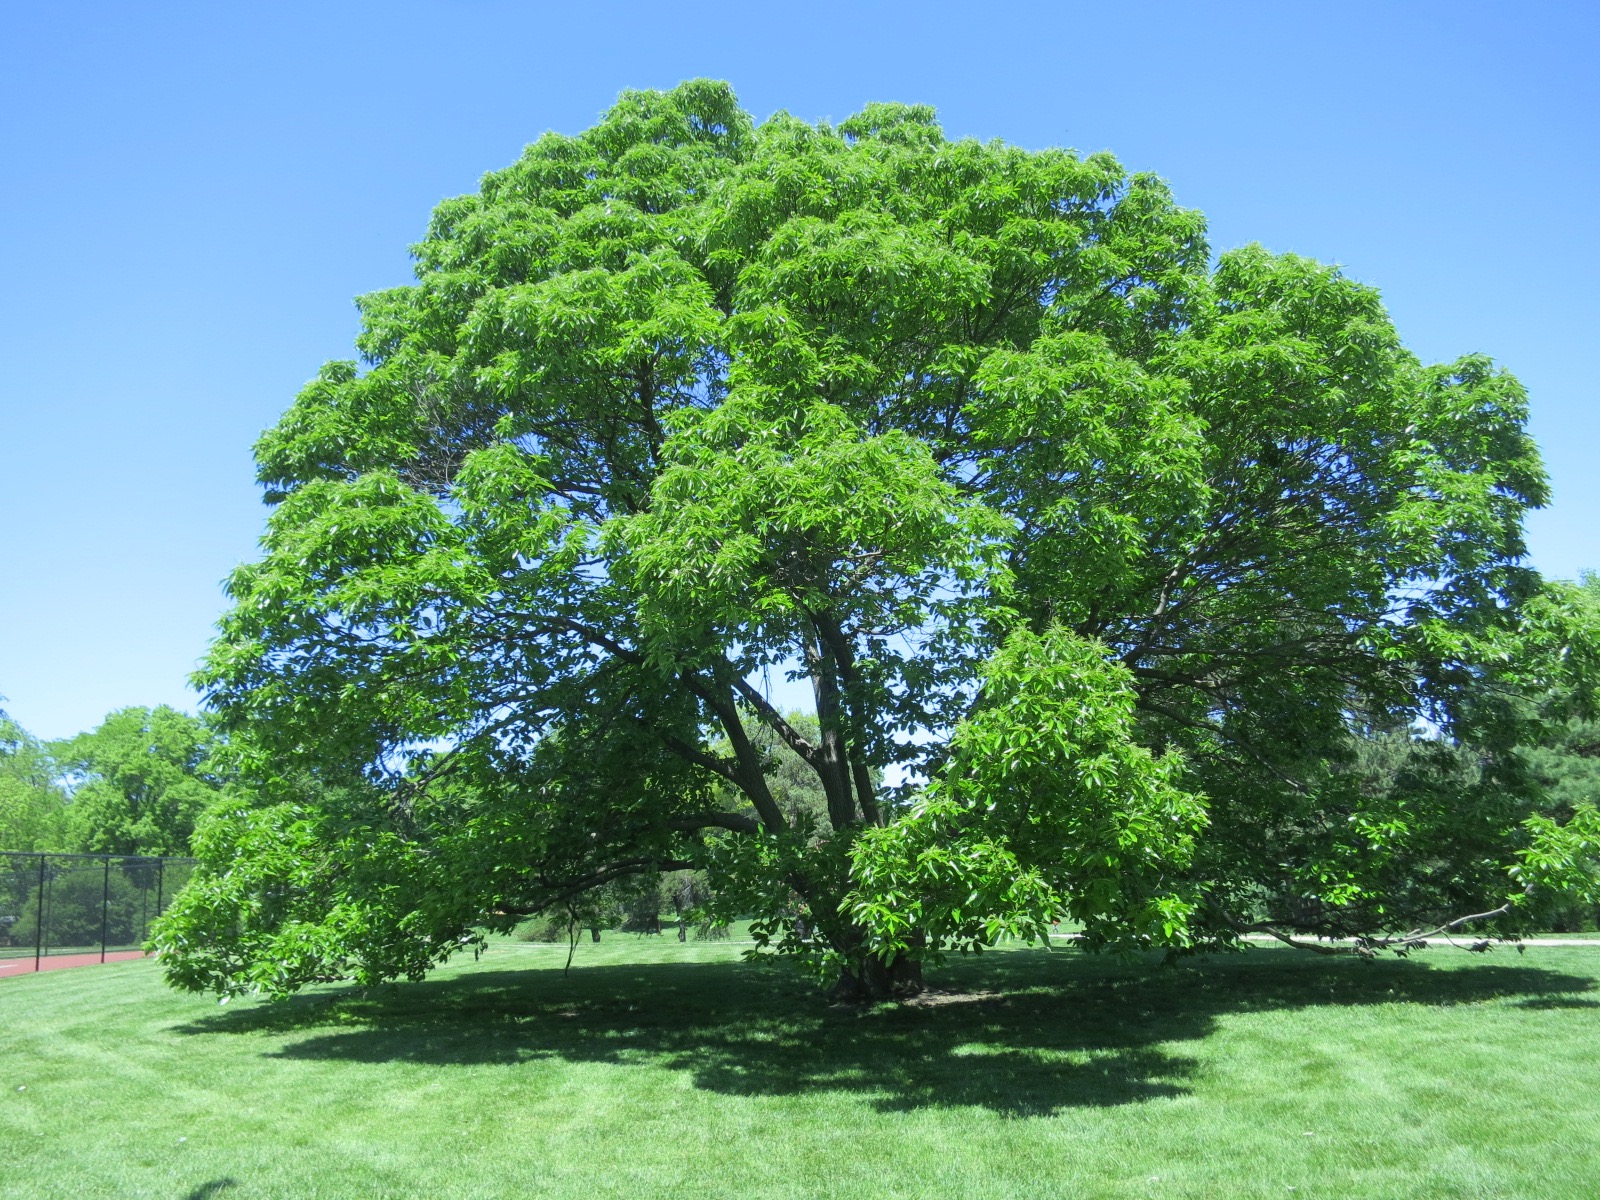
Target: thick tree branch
x,y
701,758
1366,945
832,764
751,776
776,721
735,822
833,636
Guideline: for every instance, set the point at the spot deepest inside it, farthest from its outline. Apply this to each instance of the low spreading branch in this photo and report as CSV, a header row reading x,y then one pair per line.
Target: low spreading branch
x,y
1367,945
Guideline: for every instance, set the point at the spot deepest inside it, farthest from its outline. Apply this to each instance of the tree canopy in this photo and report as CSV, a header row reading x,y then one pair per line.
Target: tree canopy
x,y
1101,558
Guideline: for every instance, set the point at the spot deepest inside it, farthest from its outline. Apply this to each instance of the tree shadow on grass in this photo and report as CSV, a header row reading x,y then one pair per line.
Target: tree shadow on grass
x,y
1022,1034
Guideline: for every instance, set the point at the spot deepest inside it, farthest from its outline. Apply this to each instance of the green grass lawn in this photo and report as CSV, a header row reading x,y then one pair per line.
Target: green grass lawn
x,y
658,1069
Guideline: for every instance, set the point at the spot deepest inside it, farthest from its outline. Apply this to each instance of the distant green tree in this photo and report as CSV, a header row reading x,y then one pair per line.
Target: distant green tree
x,y
1568,766
1565,762
688,892
140,781
33,807
81,903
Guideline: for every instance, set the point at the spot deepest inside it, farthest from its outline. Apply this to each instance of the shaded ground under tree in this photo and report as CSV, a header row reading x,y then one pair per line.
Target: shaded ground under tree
x,y
1018,1033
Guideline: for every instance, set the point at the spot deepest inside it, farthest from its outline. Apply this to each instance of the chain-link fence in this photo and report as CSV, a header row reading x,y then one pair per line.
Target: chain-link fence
x,y
82,904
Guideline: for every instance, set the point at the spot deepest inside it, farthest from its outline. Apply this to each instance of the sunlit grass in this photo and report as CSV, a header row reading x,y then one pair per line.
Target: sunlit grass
x,y
661,1069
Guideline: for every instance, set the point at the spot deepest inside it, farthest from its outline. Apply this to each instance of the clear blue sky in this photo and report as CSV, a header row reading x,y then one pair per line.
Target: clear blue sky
x,y
190,196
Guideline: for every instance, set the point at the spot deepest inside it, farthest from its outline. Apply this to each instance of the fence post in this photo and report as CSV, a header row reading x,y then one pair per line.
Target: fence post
x,y
38,919
105,908
161,875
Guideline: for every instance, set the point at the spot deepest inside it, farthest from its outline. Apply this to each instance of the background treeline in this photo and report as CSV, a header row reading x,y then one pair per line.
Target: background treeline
x,y
136,784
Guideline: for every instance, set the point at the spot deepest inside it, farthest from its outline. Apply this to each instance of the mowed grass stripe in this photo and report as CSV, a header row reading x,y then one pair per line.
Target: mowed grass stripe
x,y
663,1069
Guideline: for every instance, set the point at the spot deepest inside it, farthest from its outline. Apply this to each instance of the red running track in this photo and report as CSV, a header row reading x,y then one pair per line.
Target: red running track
x,y
53,962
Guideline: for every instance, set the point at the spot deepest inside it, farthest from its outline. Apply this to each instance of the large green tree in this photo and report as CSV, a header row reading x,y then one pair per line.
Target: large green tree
x,y
1098,555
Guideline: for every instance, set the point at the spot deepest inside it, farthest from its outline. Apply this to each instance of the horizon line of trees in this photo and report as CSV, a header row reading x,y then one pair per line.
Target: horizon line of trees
x,y
136,784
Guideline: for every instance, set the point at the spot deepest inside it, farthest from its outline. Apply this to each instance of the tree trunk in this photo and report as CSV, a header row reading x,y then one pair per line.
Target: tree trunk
x,y
877,980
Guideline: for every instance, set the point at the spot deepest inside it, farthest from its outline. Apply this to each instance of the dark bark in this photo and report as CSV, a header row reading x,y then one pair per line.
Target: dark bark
x,y
877,980
832,765
832,636
750,772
